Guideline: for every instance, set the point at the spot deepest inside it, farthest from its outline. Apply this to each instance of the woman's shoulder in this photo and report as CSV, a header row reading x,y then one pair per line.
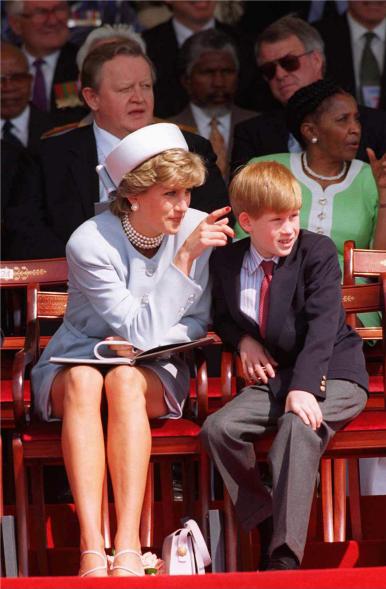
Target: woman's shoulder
x,y
281,158
94,231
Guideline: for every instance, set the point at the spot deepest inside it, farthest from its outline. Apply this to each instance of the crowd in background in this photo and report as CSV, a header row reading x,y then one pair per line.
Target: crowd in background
x,y
77,77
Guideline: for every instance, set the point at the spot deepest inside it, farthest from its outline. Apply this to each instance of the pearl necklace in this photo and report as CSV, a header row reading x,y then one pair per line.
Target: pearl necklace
x,y
319,176
137,239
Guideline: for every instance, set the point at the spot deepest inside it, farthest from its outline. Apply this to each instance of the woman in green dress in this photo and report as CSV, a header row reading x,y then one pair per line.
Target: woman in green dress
x,y
343,197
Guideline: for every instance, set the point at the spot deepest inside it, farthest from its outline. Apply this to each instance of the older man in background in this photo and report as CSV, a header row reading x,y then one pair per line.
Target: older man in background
x,y
290,55
209,71
117,85
164,41
42,28
21,122
356,50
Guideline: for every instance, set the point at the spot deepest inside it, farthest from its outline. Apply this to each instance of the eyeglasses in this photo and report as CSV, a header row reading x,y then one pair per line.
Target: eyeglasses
x,y
290,63
40,15
16,79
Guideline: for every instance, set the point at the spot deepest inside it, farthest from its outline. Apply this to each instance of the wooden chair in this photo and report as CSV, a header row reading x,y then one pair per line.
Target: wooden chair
x,y
36,444
365,436
369,264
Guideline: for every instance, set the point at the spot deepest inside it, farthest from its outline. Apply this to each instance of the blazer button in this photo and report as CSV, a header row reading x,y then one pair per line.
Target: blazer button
x,y
322,388
150,271
191,298
145,300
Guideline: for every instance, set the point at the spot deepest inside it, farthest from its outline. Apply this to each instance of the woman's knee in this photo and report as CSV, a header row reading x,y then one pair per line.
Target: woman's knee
x,y
83,386
125,384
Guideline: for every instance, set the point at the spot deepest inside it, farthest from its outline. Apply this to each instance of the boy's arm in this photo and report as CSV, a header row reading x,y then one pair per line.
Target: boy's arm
x,y
223,323
322,310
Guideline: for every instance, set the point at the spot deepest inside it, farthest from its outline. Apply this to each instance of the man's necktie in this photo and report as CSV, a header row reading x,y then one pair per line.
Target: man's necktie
x,y
267,268
39,94
8,134
369,72
219,147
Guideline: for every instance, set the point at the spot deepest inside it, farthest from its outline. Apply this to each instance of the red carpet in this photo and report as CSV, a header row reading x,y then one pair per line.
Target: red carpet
x,y
365,578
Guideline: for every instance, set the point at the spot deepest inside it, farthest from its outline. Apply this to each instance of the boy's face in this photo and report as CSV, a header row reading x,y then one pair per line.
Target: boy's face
x,y
272,234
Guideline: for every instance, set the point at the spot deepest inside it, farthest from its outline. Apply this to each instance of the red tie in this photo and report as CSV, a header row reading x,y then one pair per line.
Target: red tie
x,y
267,268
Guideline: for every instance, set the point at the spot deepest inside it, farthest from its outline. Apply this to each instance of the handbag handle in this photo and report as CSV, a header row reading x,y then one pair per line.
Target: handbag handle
x,y
191,527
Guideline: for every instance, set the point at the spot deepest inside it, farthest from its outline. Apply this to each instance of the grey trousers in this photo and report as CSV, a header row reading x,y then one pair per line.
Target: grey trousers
x,y
229,434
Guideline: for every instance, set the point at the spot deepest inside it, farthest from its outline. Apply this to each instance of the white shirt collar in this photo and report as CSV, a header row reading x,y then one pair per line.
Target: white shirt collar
x,y
252,262
20,125
183,32
203,119
358,30
105,142
49,60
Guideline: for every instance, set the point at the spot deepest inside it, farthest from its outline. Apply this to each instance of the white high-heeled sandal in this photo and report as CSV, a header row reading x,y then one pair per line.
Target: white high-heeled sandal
x,y
97,568
114,567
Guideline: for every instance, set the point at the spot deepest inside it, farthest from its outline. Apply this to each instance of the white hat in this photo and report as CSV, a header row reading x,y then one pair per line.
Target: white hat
x,y
138,147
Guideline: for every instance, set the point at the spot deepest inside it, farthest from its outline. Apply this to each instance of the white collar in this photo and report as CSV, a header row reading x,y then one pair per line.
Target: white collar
x,y
20,122
252,262
106,141
50,60
358,30
314,186
183,32
203,115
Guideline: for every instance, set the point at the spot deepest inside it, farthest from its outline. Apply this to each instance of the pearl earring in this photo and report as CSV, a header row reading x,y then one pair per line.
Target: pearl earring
x,y
134,207
314,140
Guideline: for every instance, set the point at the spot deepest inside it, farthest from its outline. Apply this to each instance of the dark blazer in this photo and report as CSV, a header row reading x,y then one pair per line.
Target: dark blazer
x,y
238,115
306,331
335,32
39,122
268,133
170,96
45,212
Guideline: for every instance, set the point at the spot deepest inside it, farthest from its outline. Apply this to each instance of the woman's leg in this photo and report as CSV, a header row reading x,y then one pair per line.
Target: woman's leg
x,y
76,397
134,395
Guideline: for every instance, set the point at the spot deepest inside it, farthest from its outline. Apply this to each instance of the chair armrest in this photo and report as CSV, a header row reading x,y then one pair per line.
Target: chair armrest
x,y
201,385
23,358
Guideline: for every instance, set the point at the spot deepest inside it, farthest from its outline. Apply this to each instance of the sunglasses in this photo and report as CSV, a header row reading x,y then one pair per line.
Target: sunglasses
x,y
290,63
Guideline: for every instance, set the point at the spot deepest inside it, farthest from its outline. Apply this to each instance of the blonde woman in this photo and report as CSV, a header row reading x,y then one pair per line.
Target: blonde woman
x,y
138,272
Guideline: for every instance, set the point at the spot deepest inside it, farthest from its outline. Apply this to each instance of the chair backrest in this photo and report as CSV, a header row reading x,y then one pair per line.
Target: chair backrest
x,y
32,276
363,298
362,262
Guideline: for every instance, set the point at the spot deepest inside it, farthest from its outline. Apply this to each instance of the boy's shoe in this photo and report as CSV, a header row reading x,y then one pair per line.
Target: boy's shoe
x,y
282,559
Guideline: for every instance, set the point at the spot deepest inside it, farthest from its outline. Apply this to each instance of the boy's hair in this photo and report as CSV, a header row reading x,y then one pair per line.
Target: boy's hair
x,y
174,168
264,186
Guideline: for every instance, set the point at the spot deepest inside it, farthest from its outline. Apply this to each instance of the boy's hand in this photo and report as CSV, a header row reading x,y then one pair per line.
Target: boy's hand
x,y
257,362
305,405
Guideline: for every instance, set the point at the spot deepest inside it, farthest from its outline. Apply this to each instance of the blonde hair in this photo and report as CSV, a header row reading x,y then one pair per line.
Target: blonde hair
x,y
174,168
264,186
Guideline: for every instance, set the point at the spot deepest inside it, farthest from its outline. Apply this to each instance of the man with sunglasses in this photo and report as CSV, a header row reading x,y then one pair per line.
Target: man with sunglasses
x,y
290,55
42,27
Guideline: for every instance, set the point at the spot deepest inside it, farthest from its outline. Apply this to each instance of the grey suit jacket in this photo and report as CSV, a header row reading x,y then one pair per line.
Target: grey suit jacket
x,y
114,290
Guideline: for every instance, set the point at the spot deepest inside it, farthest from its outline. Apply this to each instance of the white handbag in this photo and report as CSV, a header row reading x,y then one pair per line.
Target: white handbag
x,y
185,552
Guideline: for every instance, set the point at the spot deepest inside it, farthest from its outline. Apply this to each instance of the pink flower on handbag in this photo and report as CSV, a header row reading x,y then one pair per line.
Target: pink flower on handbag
x,y
152,564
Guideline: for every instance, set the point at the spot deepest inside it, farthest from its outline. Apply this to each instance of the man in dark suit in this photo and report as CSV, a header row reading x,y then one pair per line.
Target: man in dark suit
x,y
208,68
164,40
21,122
277,302
42,27
117,84
345,44
290,54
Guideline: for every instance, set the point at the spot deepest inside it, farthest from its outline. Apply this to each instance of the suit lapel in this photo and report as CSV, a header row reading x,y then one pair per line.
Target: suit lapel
x,y
83,163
